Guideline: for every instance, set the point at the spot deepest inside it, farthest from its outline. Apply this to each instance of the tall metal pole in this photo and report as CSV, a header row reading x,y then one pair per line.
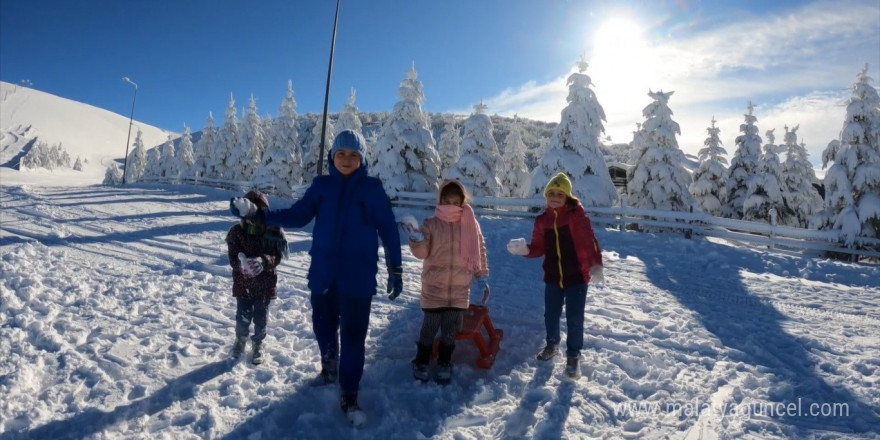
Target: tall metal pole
x,y
327,94
130,120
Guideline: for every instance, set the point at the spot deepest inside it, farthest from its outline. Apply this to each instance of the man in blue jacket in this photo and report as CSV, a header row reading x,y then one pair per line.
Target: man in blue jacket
x,y
349,208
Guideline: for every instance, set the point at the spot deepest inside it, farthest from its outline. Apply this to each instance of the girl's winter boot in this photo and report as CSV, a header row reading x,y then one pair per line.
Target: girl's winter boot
x,y
420,363
444,364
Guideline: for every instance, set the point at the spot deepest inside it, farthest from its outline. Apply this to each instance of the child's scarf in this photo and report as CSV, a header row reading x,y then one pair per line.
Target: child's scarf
x,y
470,232
273,238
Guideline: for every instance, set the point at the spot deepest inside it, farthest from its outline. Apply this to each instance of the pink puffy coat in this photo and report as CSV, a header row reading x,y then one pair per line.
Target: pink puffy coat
x,y
446,280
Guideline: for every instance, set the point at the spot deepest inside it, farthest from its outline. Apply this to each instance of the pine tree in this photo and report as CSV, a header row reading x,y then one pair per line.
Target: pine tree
x,y
207,162
251,143
574,146
766,194
78,165
709,187
185,154
852,184
798,175
227,143
282,165
310,158
167,166
113,176
448,146
348,118
512,171
136,164
479,153
154,163
406,159
743,166
659,180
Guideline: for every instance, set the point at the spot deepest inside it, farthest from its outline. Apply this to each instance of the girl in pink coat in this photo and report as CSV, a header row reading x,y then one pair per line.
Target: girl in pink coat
x,y
452,247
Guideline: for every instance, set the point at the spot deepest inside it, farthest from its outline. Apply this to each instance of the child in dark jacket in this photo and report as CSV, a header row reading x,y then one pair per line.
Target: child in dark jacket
x,y
564,236
254,252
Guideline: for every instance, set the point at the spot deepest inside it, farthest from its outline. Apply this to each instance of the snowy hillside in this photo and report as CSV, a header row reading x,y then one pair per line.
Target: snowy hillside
x,y
116,318
91,133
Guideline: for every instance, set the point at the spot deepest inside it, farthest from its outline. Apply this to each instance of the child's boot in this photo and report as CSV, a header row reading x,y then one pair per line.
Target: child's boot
x,y
352,410
329,373
571,368
444,364
238,347
420,363
257,355
549,352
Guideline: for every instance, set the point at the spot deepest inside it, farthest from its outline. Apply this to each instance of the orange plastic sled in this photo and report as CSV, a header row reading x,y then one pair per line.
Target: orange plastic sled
x,y
476,318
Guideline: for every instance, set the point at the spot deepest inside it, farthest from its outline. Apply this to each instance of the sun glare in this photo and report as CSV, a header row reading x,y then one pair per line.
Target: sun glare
x,y
622,65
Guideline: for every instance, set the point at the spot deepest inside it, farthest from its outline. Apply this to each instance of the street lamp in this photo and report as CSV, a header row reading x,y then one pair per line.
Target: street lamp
x,y
327,94
130,119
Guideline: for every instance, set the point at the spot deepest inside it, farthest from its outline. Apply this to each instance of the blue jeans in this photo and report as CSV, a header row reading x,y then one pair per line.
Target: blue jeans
x,y
574,298
335,319
247,310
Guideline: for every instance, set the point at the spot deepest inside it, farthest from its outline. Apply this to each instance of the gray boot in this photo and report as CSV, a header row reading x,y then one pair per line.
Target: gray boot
x,y
443,375
239,346
420,363
257,355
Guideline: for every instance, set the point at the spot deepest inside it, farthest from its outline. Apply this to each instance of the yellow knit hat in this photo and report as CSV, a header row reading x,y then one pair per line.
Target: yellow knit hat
x,y
559,182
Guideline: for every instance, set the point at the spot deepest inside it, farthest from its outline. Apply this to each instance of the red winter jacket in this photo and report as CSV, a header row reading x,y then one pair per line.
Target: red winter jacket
x,y
565,238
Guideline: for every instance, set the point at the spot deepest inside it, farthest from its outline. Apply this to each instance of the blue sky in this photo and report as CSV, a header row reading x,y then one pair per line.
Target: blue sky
x,y
794,60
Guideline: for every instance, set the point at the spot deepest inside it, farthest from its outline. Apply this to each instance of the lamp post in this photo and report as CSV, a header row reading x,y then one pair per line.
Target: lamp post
x,y
130,120
327,94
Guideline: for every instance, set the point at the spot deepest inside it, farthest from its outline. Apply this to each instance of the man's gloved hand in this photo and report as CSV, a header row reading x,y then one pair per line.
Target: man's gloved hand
x,y
596,275
410,226
518,246
250,267
395,282
483,287
242,207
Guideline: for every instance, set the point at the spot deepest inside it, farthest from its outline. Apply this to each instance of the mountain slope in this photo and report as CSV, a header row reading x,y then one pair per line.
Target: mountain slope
x,y
84,131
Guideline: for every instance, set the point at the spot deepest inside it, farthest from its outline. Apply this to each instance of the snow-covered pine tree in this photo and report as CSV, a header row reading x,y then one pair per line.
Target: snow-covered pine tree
x,y
348,117
513,173
448,146
113,176
282,167
767,190
406,159
227,143
659,180
574,146
154,162
743,166
310,158
852,184
185,154
207,163
479,154
136,164
168,163
251,143
798,175
710,178
78,165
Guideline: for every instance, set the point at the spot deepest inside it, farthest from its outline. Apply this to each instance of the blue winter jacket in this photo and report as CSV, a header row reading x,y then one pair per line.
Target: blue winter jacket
x,y
348,213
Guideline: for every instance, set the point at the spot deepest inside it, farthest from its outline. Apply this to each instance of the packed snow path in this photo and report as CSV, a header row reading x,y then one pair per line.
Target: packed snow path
x,y
117,320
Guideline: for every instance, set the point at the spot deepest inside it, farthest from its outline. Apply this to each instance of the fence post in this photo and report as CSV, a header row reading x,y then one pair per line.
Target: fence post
x,y
773,215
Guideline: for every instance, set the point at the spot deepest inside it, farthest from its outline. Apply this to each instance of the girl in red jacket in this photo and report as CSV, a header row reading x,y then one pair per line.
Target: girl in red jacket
x,y
564,236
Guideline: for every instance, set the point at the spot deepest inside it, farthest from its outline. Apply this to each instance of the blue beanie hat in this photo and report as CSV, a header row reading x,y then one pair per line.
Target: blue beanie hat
x,y
349,140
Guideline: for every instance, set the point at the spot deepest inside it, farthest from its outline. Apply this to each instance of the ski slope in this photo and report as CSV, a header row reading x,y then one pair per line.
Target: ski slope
x,y
116,317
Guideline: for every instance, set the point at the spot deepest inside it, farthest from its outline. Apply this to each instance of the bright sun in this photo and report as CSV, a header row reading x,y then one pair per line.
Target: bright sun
x,y
622,65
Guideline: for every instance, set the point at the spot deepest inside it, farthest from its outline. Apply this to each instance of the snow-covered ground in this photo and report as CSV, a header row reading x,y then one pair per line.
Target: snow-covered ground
x,y
117,318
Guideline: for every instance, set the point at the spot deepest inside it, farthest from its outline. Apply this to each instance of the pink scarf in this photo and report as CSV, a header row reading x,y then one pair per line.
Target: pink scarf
x,y
470,232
